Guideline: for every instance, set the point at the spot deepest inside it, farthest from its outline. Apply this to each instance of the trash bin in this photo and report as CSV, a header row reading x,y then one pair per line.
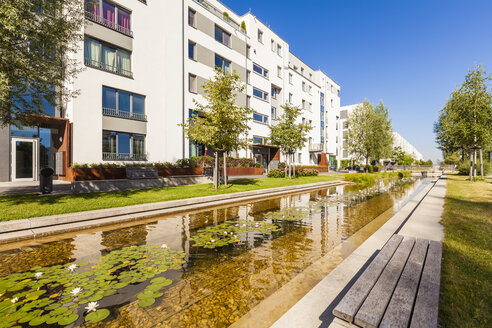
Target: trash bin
x,y
46,180
424,174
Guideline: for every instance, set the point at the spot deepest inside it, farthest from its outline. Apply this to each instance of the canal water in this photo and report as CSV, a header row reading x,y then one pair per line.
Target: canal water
x,y
202,269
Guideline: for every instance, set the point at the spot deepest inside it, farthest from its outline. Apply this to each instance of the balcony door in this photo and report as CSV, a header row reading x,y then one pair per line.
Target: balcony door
x,y
24,159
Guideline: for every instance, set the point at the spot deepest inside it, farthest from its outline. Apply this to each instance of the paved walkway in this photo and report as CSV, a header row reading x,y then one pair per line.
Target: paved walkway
x,y
28,187
419,217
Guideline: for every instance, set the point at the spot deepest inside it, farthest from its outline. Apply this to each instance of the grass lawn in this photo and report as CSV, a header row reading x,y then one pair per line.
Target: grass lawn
x,y
466,281
14,207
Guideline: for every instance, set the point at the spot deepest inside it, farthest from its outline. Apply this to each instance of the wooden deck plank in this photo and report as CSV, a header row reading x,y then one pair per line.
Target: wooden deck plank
x,y
351,302
427,303
372,310
399,310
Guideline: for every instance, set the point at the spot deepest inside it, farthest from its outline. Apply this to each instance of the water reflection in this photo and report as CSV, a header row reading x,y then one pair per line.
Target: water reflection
x,y
217,286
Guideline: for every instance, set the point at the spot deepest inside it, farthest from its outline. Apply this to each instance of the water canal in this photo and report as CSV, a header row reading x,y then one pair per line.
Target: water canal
x,y
203,269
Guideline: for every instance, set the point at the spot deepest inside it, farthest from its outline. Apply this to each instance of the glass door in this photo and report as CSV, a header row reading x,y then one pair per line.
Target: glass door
x,y
24,159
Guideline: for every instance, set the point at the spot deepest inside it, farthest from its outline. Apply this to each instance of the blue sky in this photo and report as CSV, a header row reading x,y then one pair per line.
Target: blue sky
x,y
409,53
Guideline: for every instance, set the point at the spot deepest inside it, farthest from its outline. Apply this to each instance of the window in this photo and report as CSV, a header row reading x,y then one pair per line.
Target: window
x,y
279,71
260,118
303,86
260,36
273,45
274,113
290,98
310,76
302,70
191,17
248,51
123,104
275,92
310,89
248,101
300,157
192,84
260,70
223,64
279,50
191,50
260,94
248,77
332,103
303,104
257,140
112,16
222,36
107,57
290,78
122,146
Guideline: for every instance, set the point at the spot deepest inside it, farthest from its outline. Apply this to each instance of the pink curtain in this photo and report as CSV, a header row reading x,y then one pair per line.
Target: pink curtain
x,y
108,12
124,19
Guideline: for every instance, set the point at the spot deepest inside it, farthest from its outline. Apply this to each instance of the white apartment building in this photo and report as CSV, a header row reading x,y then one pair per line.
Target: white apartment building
x,y
144,66
399,141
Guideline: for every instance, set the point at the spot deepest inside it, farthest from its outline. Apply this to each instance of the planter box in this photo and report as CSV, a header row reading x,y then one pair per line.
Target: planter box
x,y
85,174
317,168
179,172
239,171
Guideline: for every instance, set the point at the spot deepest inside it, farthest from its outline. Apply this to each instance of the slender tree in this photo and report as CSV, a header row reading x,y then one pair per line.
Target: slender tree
x,y
288,135
382,135
220,125
37,41
359,135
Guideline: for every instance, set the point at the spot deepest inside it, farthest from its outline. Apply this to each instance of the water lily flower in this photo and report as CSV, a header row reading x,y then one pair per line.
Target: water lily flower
x,y
232,232
237,225
213,240
225,232
38,275
91,306
72,267
164,246
75,291
15,299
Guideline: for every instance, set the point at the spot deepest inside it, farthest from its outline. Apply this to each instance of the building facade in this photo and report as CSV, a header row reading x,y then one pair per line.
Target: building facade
x,y
145,63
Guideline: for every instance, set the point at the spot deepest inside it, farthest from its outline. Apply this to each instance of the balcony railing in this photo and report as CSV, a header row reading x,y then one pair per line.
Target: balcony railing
x,y
316,148
107,68
124,157
103,21
211,8
123,114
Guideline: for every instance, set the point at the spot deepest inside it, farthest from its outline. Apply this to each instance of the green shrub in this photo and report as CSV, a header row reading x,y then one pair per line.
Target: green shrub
x,y
276,173
360,177
464,168
307,172
187,163
373,168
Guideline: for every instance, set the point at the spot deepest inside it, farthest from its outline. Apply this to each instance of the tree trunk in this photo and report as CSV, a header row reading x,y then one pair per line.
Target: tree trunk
x,y
225,170
367,164
216,170
471,164
481,164
290,163
474,163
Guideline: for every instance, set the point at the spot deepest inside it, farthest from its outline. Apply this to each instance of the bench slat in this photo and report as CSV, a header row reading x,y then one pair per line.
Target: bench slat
x,y
372,310
400,306
425,312
351,302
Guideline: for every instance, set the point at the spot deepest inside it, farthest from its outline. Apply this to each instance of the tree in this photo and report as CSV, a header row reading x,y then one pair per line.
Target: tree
x,y
466,120
401,158
288,135
382,136
38,39
220,125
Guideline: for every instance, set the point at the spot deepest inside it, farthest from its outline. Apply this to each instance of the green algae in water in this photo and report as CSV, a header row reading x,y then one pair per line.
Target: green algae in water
x,y
57,295
229,232
289,214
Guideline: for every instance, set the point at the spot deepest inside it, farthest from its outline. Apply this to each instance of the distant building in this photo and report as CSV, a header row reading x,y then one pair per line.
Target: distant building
x,y
399,141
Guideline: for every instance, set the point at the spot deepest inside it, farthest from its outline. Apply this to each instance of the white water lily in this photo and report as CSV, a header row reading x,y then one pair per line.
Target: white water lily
x,y
164,246
72,267
225,232
212,241
91,306
15,299
75,291
38,275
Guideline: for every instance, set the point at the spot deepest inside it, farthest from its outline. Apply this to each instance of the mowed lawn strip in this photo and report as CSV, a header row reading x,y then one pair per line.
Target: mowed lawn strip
x,y
466,281
14,207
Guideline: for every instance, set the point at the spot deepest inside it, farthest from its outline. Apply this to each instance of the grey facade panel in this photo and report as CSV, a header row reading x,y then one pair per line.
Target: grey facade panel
x,y
205,56
239,45
343,114
200,81
5,154
205,25
108,35
241,99
240,70
124,125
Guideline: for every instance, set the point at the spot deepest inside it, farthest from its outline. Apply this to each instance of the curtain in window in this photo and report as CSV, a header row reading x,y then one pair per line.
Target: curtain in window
x,y
109,142
108,13
124,20
92,52
138,145
227,39
124,64
109,58
92,6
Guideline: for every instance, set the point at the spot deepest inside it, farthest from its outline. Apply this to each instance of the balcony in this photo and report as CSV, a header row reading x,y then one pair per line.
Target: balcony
x,y
123,114
316,148
112,25
215,11
124,157
107,68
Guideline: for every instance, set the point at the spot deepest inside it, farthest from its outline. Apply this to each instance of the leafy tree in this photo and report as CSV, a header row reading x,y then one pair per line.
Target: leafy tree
x,y
466,120
38,39
452,159
288,135
382,136
220,125
402,158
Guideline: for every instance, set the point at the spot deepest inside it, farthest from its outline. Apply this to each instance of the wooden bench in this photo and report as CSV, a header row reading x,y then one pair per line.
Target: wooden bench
x,y
399,288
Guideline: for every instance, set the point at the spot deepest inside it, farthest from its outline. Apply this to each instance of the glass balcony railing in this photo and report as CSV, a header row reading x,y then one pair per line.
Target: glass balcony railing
x,y
124,114
211,8
124,157
107,68
103,21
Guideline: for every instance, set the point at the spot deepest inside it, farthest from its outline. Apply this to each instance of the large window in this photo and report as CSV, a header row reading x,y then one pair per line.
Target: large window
x,y
257,140
191,50
108,14
222,36
191,17
274,113
123,104
260,70
260,94
260,118
107,57
120,146
223,64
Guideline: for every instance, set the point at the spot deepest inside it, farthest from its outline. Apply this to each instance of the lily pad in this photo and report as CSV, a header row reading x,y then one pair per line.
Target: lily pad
x,y
97,316
66,320
146,302
37,321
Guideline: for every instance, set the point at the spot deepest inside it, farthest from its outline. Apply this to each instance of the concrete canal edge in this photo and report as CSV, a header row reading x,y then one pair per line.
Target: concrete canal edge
x,y
23,229
315,308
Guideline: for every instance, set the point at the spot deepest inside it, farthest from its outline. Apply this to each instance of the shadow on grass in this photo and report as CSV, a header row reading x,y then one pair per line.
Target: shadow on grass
x,y
244,182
